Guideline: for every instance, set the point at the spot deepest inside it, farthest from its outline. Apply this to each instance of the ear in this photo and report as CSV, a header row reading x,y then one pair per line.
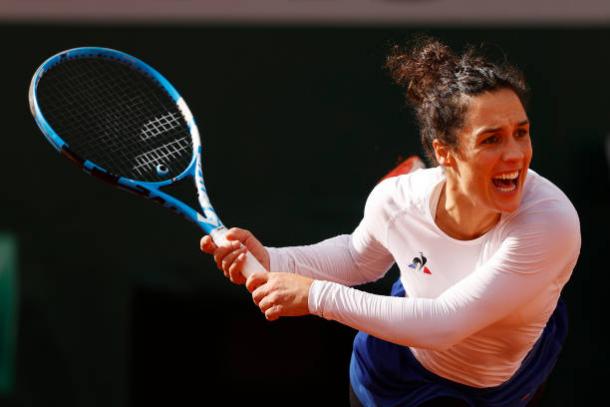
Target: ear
x,y
443,154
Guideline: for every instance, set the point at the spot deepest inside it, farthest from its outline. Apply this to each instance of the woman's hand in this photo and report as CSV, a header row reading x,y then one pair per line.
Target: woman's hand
x,y
280,294
230,258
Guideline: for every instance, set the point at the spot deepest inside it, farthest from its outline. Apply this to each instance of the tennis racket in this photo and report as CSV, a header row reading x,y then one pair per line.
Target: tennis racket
x,y
121,121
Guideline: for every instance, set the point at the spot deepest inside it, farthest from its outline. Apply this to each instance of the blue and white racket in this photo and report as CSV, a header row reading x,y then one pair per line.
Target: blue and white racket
x,y
121,121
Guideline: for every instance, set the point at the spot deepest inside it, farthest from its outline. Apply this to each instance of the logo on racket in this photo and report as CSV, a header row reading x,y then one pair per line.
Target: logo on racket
x,y
152,159
419,264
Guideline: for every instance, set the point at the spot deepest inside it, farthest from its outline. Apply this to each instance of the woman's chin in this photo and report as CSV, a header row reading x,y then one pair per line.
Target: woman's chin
x,y
507,201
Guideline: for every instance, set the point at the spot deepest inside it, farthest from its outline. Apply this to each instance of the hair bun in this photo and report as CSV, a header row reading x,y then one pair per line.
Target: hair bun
x,y
424,65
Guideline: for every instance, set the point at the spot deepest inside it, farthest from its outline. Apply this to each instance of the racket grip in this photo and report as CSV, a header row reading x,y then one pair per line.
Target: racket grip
x,y
251,265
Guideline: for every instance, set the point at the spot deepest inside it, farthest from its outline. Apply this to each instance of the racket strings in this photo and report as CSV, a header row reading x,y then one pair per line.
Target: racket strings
x,y
160,155
117,117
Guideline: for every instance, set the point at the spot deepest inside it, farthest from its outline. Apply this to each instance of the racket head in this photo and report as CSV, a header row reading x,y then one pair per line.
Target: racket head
x,y
116,117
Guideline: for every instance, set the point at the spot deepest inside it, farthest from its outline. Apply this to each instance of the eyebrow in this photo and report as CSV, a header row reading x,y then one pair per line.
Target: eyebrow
x,y
494,129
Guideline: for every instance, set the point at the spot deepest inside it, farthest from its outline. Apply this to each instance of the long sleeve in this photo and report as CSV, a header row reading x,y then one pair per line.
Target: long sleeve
x,y
335,259
539,251
352,259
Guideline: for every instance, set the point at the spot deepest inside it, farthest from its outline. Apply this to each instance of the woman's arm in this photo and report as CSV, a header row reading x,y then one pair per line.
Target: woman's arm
x,y
335,259
541,251
348,259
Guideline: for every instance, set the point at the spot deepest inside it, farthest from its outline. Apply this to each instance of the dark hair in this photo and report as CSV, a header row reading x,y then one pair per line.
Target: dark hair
x,y
435,79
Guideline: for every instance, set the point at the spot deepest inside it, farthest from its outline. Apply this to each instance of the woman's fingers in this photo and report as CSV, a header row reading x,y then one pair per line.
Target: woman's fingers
x,y
273,313
229,259
206,244
223,251
234,271
242,235
252,243
256,280
230,256
265,296
270,304
280,294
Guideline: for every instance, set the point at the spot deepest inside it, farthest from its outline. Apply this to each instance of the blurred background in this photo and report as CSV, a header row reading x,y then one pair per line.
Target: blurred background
x,y
105,299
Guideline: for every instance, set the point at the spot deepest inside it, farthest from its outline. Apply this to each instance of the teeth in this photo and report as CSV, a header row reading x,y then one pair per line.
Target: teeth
x,y
509,175
507,189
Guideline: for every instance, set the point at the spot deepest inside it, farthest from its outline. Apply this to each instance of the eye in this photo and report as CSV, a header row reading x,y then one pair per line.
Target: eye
x,y
494,138
522,132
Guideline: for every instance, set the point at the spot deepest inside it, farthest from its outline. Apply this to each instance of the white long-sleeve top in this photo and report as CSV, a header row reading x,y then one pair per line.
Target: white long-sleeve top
x,y
475,308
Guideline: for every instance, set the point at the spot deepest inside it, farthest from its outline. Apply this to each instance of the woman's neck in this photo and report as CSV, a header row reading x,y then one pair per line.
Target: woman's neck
x,y
459,218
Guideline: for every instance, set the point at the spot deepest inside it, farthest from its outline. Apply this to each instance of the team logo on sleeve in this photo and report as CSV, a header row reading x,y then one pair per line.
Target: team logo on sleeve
x,y
419,264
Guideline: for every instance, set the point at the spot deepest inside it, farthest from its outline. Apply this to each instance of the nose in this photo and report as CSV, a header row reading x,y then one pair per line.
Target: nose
x,y
513,150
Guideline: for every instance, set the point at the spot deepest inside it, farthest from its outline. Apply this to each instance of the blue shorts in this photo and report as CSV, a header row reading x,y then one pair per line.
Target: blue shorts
x,y
386,374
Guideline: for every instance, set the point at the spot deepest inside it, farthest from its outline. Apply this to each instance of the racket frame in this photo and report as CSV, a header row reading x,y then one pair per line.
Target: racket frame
x,y
208,221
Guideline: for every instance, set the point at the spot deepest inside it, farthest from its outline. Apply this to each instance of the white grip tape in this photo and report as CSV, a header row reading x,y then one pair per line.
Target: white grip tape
x,y
251,265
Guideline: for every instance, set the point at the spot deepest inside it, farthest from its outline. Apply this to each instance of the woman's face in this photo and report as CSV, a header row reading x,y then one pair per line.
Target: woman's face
x,y
494,151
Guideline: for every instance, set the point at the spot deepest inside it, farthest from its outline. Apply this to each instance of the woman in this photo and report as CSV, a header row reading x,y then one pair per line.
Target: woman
x,y
484,246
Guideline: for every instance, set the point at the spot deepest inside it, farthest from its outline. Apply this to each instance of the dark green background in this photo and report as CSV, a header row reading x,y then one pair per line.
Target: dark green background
x,y
117,305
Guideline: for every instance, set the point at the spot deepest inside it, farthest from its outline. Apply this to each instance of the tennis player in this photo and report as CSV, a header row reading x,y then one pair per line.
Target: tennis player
x,y
483,243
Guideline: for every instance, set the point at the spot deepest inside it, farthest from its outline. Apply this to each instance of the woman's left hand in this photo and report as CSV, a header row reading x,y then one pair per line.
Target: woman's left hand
x,y
280,294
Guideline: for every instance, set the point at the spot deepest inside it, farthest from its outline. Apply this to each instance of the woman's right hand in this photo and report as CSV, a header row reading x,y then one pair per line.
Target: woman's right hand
x,y
230,258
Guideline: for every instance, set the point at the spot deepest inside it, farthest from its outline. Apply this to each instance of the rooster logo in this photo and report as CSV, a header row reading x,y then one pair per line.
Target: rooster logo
x,y
419,263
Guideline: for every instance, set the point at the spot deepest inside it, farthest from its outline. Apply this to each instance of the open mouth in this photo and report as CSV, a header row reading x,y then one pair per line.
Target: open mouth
x,y
507,182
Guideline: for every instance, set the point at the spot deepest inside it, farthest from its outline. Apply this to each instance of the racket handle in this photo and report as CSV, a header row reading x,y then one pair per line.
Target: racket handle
x,y
251,265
